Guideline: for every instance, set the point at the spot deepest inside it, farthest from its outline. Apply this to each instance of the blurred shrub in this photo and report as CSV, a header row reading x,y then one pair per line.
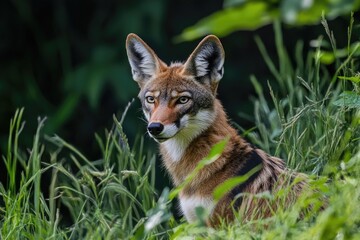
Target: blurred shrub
x,y
66,60
250,15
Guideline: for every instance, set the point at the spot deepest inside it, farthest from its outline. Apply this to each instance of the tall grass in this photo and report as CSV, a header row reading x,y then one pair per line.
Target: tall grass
x,y
106,198
306,126
313,122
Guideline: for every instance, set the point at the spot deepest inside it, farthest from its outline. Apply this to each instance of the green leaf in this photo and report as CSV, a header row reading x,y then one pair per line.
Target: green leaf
x,y
213,155
354,79
353,163
289,10
310,14
249,16
348,99
327,57
215,151
229,184
159,213
201,215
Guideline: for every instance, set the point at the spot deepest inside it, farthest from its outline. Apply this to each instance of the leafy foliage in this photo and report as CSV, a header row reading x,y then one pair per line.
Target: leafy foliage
x,y
348,99
250,15
308,103
63,64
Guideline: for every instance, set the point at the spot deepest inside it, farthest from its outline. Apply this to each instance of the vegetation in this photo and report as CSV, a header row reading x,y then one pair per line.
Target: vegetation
x,y
250,15
313,122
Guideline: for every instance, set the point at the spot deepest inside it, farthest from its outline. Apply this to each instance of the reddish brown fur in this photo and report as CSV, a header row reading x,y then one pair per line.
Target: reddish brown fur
x,y
226,167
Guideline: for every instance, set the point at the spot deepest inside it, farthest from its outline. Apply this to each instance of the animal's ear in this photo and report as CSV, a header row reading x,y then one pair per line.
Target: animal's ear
x,y
143,60
206,63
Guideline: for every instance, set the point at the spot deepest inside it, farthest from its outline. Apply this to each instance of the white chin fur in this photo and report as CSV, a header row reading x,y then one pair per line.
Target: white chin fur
x,y
169,131
190,128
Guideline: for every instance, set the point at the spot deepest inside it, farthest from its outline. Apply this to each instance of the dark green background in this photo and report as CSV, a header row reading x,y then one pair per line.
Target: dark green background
x,y
66,60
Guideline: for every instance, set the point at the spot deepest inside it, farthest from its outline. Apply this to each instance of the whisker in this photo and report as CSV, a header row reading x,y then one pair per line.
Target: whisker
x,y
143,119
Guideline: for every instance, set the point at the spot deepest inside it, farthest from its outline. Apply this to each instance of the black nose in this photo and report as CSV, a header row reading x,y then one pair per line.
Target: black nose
x,y
155,128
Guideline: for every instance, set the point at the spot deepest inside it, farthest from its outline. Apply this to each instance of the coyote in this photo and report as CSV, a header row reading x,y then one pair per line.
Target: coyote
x,y
186,119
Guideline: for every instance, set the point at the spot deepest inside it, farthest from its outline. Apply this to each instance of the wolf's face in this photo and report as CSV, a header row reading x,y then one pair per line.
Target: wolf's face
x,y
177,100
176,106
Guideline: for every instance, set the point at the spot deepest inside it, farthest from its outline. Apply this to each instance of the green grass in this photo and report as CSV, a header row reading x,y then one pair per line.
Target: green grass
x,y
307,127
313,122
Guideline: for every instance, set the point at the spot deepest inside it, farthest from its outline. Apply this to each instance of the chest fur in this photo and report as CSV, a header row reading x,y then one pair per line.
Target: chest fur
x,y
189,204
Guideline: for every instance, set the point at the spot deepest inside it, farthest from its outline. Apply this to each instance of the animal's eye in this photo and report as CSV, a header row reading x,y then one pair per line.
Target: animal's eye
x,y
183,100
150,99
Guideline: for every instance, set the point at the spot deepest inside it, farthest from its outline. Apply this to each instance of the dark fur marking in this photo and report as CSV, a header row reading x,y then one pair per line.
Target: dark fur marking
x,y
137,55
272,179
137,60
177,123
212,59
253,161
200,79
